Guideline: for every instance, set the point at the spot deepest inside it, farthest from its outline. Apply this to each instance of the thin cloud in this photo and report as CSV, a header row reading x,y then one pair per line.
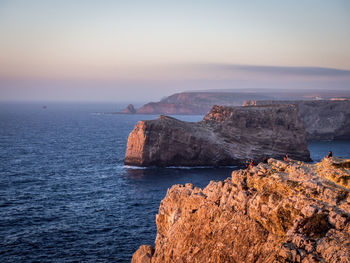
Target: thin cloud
x,y
281,70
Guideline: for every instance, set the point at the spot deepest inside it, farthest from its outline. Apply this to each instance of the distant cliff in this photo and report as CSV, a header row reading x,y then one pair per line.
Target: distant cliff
x,y
200,102
275,212
225,136
197,102
323,119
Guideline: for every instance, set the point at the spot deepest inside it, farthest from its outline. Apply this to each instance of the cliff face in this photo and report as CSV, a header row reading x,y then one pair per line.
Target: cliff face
x,y
323,120
275,212
226,136
196,102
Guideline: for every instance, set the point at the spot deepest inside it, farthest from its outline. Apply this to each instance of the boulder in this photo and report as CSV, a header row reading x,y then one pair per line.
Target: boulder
x,y
143,254
225,136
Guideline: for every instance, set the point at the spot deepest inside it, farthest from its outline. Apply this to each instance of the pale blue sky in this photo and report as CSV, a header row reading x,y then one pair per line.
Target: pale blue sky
x,y
119,50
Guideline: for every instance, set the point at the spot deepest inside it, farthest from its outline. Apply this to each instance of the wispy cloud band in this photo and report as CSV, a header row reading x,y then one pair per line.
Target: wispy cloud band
x,y
280,70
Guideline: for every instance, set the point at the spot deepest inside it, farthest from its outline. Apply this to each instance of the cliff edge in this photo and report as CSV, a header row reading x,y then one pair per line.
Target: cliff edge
x,y
274,212
225,136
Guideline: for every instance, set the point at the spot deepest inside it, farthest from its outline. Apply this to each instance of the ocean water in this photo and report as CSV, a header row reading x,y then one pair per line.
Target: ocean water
x,y
65,195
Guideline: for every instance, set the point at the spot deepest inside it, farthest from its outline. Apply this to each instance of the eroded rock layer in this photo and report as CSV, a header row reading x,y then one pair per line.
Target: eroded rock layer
x,y
275,212
322,119
225,136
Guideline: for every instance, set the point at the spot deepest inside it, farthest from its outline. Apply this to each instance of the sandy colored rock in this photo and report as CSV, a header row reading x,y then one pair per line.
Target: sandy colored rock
x,y
225,136
276,212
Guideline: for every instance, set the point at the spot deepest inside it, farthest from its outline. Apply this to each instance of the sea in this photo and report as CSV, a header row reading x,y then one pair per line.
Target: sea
x,y
65,194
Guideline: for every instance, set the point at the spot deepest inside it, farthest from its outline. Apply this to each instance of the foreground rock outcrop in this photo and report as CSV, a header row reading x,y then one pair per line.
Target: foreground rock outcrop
x,y
225,136
275,212
322,119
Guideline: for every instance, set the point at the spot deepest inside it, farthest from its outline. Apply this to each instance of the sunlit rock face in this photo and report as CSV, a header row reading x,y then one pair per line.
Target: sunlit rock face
x,y
143,254
323,119
225,136
274,212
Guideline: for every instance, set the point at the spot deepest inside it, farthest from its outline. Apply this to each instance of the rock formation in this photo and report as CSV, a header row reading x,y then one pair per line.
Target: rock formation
x,y
225,136
197,102
323,119
200,102
275,212
129,109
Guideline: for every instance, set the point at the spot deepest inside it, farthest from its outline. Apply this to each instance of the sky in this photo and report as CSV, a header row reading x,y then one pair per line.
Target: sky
x,y
144,50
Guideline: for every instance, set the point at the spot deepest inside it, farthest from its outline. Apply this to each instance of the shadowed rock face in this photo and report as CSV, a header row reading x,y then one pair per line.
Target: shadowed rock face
x,y
129,109
226,136
275,212
323,120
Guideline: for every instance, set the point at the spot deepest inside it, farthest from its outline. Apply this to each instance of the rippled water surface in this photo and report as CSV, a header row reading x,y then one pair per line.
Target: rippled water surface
x,y
64,193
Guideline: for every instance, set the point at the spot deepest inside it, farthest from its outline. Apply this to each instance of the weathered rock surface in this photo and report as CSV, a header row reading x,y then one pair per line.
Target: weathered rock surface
x,y
275,212
225,136
129,109
323,119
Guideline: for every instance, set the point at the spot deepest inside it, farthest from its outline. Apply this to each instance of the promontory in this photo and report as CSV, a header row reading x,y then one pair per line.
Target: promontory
x,y
225,136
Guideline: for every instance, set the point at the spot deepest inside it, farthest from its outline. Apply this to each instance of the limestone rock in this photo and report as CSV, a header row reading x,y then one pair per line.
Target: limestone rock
x,y
322,119
225,136
276,212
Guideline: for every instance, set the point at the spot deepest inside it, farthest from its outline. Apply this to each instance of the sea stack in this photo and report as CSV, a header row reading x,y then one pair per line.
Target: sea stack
x,y
275,212
129,109
226,136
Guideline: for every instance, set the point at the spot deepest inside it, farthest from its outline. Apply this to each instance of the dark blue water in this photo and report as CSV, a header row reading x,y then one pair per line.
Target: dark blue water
x,y
64,192
65,195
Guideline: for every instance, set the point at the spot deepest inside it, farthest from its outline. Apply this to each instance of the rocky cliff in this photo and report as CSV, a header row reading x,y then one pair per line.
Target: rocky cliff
x,y
323,119
225,136
197,102
275,212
